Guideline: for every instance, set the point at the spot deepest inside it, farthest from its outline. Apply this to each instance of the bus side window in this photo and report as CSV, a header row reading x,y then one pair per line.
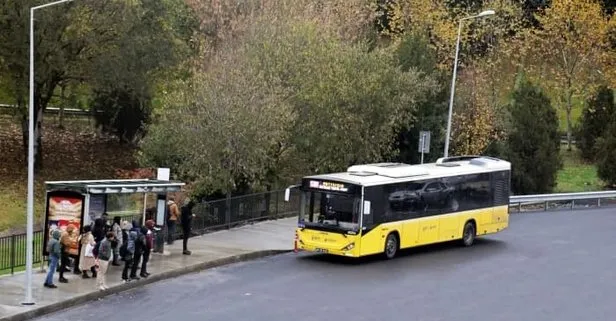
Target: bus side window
x,y
378,204
367,220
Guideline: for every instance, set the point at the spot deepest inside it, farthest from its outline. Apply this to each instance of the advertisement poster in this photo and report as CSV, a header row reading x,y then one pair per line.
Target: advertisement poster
x,y
64,212
97,206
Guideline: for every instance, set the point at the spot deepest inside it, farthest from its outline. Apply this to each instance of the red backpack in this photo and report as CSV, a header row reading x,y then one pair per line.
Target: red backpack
x,y
149,240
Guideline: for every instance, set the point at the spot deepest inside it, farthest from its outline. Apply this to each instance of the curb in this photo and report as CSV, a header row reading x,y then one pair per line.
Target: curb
x,y
81,299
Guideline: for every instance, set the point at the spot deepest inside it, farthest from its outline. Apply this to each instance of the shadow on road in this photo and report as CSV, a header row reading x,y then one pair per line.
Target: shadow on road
x,y
441,253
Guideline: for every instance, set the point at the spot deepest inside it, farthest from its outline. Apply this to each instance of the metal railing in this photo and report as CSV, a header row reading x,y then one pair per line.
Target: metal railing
x,y
240,210
559,201
13,251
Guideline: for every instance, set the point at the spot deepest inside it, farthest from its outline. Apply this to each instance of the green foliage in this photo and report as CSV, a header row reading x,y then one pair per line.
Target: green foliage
x,y
285,100
217,129
162,145
123,113
353,97
596,117
151,38
576,175
414,53
606,154
579,36
533,143
152,41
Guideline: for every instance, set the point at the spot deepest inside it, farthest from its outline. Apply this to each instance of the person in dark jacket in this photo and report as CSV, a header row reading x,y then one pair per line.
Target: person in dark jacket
x,y
98,231
127,250
106,223
139,245
55,252
186,219
147,249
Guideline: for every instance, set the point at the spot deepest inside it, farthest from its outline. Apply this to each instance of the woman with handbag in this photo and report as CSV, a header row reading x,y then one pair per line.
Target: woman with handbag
x,y
86,257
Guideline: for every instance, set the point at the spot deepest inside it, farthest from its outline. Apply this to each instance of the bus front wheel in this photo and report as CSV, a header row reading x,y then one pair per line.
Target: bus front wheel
x,y
469,233
391,246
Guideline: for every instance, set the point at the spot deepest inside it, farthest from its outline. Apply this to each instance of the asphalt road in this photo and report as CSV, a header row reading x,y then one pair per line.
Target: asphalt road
x,y
546,266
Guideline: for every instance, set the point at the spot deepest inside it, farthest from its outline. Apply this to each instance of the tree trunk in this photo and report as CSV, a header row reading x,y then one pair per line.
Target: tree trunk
x,y
569,107
61,111
38,141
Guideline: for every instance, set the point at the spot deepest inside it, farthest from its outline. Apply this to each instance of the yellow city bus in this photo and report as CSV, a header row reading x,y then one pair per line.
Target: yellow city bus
x,y
382,208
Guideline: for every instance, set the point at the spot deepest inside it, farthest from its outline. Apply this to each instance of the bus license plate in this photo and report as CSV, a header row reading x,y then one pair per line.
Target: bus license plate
x,y
320,250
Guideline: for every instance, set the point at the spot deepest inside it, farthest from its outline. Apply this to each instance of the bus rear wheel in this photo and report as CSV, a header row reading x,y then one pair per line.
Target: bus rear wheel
x,y
391,246
469,233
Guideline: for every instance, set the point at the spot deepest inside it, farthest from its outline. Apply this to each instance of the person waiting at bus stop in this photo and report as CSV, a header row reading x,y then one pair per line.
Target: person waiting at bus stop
x,y
174,214
116,228
147,249
127,250
186,219
70,247
139,239
55,253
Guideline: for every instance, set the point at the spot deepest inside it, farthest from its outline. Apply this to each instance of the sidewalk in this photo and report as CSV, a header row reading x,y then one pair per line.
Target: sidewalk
x,y
209,250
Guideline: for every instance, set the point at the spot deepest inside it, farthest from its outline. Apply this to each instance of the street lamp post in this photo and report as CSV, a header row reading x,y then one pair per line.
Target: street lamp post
x,y
453,81
30,208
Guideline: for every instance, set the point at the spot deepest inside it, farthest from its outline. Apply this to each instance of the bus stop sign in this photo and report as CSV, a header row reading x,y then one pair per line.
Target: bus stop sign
x,y
424,142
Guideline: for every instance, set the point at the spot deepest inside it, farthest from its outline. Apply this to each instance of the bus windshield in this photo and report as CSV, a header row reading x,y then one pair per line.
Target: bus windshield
x,y
330,211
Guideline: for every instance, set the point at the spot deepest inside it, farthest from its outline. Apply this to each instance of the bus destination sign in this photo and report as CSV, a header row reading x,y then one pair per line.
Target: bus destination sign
x,y
330,186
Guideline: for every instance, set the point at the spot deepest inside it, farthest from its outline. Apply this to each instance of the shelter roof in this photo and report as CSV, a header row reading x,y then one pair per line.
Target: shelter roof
x,y
116,186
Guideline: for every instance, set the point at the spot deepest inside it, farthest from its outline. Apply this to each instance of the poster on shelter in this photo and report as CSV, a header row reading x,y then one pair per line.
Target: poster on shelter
x,y
96,208
64,213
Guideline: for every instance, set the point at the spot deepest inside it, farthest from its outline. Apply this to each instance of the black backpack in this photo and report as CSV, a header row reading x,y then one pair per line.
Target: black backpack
x,y
95,249
124,246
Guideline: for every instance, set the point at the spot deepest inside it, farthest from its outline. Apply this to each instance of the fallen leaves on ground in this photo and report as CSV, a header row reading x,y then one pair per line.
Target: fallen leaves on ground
x,y
76,152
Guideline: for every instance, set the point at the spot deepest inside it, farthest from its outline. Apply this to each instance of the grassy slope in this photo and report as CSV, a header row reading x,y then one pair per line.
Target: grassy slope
x,y
74,153
576,114
577,175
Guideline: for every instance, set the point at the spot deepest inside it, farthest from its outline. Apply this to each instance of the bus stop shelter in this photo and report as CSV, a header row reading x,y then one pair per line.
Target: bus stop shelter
x,y
80,203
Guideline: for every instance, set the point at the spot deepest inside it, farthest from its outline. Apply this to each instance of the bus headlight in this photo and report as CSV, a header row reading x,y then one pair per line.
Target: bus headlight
x,y
349,247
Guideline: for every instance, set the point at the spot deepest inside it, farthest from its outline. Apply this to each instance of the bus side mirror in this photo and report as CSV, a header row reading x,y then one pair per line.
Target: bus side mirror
x,y
287,192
